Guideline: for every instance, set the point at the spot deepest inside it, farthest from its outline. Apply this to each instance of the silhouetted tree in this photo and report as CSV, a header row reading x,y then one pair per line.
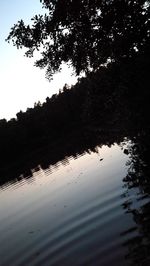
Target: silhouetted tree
x,y
85,33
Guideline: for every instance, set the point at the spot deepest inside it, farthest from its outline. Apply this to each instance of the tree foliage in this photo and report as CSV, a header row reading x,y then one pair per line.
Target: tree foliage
x,y
84,33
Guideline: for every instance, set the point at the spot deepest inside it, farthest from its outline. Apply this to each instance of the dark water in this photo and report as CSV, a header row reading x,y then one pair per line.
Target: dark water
x,y
77,212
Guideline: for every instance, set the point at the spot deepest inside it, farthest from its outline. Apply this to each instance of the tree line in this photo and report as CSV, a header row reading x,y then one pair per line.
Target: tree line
x,y
113,98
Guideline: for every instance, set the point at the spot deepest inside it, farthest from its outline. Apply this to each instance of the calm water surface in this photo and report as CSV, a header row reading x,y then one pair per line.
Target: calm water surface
x,y
73,213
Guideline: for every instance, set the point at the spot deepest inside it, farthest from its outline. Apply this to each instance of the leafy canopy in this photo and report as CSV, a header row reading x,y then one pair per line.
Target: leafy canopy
x,y
84,33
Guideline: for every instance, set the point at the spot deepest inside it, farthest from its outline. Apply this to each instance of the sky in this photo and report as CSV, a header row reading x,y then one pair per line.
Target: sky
x,y
21,83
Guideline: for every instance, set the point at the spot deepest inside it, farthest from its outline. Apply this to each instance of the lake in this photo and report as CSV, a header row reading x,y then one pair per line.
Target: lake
x,y
83,210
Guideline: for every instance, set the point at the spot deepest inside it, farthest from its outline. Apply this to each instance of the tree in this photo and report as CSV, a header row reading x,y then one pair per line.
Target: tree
x,y
84,33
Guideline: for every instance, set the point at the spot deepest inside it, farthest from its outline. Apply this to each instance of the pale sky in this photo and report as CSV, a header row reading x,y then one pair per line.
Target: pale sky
x,y
22,84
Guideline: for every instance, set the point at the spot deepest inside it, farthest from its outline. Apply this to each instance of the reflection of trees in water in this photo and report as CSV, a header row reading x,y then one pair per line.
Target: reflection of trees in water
x,y
78,143
137,183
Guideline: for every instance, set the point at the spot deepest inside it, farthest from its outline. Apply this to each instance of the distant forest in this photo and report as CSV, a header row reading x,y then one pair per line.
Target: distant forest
x,y
113,99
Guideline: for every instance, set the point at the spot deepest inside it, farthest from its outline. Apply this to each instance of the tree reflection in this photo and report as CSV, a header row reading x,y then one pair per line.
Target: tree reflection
x,y
137,182
137,203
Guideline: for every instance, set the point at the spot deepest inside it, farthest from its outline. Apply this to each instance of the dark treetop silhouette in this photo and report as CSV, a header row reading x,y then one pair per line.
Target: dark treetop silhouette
x,y
85,33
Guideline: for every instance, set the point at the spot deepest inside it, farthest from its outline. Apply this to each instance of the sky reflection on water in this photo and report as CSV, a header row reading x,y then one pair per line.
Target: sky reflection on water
x,y
70,214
